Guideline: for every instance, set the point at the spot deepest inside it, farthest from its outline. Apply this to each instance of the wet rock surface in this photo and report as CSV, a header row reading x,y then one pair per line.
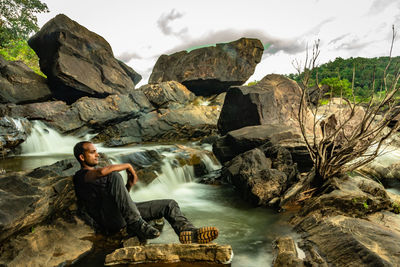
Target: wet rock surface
x,y
79,62
13,131
210,70
19,84
168,253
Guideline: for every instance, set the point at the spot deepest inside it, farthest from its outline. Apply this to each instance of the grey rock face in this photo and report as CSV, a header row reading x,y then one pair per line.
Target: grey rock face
x,y
79,62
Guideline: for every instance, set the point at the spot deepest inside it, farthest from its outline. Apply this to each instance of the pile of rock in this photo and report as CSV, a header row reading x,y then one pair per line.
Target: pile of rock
x,y
88,89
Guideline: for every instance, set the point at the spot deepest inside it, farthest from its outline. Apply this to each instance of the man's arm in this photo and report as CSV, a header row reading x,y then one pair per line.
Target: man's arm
x,y
94,174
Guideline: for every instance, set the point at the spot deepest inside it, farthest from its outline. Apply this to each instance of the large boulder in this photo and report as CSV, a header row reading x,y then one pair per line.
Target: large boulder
x,y
274,100
260,179
19,84
112,109
171,253
167,94
13,131
210,70
187,123
241,140
79,62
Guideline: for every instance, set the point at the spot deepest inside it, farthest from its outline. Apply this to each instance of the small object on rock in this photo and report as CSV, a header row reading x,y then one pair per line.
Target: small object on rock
x,y
168,253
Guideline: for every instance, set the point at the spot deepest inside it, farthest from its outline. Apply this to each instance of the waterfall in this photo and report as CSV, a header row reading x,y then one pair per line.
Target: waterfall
x,y
44,140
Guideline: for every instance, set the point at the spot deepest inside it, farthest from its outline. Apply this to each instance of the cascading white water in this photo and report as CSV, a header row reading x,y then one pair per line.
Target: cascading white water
x,y
46,141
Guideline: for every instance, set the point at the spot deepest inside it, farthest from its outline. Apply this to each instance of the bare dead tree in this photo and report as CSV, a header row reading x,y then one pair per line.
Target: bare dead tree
x,y
341,144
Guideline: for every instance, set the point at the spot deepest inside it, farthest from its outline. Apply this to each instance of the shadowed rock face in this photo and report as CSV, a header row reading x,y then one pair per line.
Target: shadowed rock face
x,y
274,100
19,84
79,62
210,70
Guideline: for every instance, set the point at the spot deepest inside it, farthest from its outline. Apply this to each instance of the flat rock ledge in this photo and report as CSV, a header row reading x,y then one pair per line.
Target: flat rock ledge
x,y
168,253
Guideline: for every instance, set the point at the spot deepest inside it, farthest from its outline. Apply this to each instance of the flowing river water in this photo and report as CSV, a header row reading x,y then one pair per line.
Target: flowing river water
x,y
249,230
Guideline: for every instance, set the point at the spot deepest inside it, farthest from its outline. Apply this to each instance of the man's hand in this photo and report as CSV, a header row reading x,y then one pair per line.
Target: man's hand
x,y
132,178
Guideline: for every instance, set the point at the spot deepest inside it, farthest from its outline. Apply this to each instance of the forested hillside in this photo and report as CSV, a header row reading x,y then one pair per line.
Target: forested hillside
x,y
339,74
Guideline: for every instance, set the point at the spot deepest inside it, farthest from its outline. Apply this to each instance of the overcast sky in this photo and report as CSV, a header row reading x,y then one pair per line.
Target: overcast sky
x,y
140,31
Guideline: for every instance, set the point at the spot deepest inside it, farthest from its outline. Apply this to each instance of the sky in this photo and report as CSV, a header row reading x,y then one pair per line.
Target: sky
x,y
139,32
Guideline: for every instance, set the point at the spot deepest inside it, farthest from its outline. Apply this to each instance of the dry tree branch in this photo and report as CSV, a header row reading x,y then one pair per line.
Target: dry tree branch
x,y
343,144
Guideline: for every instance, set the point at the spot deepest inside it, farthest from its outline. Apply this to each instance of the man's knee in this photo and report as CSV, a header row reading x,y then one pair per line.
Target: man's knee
x,y
172,203
115,178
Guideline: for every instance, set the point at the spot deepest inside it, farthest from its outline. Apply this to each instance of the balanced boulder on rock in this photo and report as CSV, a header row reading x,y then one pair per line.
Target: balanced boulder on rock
x,y
210,70
79,62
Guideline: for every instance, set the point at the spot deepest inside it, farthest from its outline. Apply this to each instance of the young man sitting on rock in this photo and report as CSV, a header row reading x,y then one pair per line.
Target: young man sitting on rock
x,y
103,195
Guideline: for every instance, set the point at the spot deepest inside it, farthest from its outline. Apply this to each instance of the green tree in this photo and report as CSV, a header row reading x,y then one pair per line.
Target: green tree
x,y
339,87
20,50
18,19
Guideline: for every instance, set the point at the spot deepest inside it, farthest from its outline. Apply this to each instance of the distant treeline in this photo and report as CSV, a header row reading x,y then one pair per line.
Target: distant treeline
x,y
339,73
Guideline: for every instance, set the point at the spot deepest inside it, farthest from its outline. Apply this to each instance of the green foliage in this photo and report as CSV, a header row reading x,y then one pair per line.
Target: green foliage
x,y
20,50
365,71
252,83
323,101
18,19
339,87
365,204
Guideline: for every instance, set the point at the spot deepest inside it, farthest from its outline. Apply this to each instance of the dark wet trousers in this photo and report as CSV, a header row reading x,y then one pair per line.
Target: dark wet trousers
x,y
117,209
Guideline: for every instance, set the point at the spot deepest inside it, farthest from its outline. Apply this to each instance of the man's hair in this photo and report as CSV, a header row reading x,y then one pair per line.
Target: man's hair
x,y
78,149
